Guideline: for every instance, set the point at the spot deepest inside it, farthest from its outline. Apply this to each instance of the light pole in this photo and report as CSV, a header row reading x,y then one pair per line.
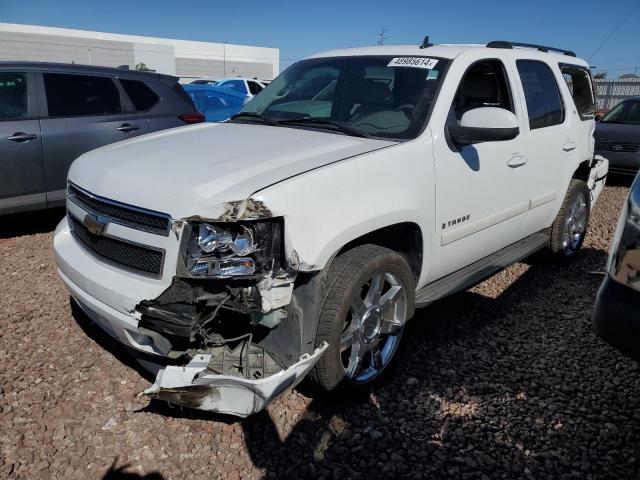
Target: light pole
x,y
90,59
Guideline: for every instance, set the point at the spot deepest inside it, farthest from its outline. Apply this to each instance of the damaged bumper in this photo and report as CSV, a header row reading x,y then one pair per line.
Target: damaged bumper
x,y
597,177
195,386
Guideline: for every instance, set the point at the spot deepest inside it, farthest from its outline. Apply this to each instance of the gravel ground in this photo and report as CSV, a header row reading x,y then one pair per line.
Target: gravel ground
x,y
504,381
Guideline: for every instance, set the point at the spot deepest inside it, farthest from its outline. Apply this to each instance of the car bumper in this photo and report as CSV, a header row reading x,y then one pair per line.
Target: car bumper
x,y
615,316
621,162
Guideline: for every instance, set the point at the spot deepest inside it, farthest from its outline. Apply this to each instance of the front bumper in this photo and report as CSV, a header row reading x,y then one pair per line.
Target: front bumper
x,y
627,163
197,387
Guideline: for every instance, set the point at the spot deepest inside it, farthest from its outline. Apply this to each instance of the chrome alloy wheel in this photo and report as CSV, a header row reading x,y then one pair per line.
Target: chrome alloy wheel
x,y
373,327
575,225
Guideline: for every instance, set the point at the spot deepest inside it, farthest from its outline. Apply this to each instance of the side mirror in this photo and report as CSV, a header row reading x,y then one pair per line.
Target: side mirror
x,y
485,124
598,117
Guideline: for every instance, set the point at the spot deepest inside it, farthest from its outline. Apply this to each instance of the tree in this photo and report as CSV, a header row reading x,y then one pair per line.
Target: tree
x,y
142,67
600,75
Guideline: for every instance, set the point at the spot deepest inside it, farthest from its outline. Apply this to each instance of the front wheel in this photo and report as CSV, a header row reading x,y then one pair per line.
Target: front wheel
x,y
369,296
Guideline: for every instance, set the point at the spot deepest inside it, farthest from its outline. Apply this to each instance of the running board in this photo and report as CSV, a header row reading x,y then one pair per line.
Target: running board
x,y
478,271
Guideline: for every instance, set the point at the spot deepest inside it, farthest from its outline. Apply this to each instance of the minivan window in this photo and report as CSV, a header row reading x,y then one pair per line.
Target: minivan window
x,y
142,97
13,96
380,96
78,95
579,82
541,92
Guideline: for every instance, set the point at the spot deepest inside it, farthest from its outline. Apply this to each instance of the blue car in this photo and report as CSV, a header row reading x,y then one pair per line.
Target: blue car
x,y
215,103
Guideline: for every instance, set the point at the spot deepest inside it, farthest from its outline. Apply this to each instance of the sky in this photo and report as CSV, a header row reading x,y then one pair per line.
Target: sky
x,y
300,28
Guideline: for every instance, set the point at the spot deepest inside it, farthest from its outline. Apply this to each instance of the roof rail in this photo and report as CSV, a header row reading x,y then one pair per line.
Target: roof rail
x,y
542,48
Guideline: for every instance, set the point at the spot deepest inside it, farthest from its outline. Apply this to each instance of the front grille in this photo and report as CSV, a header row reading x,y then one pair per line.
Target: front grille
x,y
138,258
618,146
115,212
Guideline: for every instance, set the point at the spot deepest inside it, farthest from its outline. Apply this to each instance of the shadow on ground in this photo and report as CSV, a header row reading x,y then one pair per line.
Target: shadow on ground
x,y
29,223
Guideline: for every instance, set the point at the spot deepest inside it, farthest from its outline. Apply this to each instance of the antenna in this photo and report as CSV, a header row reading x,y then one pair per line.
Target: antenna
x,y
425,43
382,37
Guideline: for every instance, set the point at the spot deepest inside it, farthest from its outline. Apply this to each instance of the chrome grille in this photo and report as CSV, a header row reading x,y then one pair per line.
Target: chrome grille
x,y
131,256
121,213
618,146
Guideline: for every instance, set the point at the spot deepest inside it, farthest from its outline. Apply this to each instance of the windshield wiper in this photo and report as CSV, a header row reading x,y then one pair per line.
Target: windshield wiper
x,y
257,116
322,122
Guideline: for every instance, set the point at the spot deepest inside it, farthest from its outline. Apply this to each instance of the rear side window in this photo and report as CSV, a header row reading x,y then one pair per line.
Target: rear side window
x,y
80,95
255,88
541,92
579,82
13,96
142,97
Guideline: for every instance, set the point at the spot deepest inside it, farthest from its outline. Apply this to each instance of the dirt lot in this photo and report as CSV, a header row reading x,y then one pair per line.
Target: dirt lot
x,y
504,381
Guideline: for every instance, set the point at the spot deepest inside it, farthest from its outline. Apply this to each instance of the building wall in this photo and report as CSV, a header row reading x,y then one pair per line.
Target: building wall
x,y
185,58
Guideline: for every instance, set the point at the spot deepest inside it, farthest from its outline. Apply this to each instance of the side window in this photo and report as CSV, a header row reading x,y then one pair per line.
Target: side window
x,y
77,95
541,92
254,88
581,87
142,97
484,84
13,96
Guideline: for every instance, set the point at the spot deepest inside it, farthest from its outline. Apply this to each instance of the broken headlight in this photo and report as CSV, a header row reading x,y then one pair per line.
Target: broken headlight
x,y
222,250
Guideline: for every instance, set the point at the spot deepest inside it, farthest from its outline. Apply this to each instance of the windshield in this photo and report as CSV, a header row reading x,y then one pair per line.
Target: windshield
x,y
626,112
378,96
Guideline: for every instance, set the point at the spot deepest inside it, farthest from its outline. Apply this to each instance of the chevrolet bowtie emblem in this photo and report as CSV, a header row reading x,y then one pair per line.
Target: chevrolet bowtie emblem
x,y
95,224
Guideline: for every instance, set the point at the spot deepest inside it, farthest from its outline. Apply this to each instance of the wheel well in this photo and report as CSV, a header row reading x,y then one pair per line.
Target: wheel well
x,y
582,172
404,238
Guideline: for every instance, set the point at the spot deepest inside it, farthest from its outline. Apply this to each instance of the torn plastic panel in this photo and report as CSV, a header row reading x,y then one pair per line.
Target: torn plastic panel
x,y
597,177
196,386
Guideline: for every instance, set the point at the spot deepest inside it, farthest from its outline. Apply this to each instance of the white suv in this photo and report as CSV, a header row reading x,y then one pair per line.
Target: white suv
x,y
236,258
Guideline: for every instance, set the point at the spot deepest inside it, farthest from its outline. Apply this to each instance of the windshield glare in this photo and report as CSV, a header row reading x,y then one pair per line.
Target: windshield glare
x,y
626,112
363,93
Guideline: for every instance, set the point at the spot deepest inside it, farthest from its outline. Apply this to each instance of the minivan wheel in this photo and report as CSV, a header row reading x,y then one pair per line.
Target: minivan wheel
x,y
369,296
570,227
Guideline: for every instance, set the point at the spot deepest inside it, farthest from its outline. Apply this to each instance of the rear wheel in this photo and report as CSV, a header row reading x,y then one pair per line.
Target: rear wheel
x,y
570,227
369,297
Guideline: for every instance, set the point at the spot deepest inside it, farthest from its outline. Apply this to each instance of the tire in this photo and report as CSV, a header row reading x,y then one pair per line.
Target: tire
x,y
373,324
570,226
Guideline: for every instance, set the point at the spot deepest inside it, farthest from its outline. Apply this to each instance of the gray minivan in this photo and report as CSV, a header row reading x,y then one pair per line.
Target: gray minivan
x,y
52,113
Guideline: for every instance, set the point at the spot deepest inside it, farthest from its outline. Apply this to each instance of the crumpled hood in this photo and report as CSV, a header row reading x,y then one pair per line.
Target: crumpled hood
x,y
194,170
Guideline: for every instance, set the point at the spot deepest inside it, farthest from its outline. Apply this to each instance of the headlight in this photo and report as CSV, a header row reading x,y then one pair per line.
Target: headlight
x,y
230,249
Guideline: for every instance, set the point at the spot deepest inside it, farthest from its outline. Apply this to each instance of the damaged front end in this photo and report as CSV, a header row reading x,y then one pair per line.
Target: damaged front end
x,y
226,319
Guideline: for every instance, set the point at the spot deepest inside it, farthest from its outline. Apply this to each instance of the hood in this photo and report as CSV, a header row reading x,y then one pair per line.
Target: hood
x,y
194,170
617,132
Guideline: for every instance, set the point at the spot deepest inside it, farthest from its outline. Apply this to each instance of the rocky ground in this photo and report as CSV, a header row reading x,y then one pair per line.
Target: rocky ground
x,y
504,381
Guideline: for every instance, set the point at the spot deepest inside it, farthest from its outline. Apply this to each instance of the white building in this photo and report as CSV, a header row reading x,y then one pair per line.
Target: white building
x,y
183,58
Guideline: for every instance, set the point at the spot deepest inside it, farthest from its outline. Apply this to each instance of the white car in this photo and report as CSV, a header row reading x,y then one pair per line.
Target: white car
x,y
234,259
247,86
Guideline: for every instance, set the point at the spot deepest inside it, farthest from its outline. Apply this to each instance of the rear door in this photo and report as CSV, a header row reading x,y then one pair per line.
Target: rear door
x,y
21,167
83,112
552,138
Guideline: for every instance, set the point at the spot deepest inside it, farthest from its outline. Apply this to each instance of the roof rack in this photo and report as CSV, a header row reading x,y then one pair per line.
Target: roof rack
x,y
542,48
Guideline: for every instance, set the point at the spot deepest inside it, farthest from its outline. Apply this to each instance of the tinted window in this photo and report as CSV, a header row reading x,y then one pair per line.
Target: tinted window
x,y
13,96
544,103
627,112
142,97
73,95
235,85
254,88
579,83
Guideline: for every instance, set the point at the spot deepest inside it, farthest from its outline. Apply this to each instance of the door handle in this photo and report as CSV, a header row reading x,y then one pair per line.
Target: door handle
x,y
567,147
21,137
517,160
127,127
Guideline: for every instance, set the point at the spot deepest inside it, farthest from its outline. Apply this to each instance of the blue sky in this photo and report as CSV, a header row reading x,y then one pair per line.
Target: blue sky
x,y
300,27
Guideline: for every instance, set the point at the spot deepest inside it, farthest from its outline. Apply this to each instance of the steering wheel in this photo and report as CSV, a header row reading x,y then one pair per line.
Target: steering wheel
x,y
407,109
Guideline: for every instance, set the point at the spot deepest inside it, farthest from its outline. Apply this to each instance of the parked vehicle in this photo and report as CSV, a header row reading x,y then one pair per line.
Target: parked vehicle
x,y
215,103
247,86
204,81
618,137
616,316
376,180
52,113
